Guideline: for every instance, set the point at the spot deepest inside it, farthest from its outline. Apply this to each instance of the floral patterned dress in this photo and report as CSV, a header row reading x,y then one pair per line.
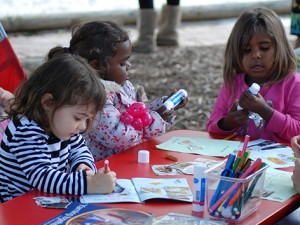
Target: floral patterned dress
x,y
109,135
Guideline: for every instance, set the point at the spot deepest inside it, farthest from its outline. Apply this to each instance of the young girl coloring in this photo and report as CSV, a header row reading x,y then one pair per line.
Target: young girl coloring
x,y
42,146
107,48
258,51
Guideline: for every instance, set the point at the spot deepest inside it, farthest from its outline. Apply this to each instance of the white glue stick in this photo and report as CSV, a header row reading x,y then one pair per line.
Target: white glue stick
x,y
254,89
199,187
175,99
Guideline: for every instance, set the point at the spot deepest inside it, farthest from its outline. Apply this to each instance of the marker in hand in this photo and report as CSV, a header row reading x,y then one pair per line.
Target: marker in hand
x,y
106,168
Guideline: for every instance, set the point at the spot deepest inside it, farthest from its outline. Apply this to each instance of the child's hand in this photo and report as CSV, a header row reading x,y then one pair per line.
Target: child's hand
x,y
101,183
256,104
234,119
141,94
5,99
296,175
295,143
165,114
183,102
87,169
168,114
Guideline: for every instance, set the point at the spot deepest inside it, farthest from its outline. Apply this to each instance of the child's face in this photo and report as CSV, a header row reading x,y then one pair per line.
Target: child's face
x,y
120,66
70,120
258,58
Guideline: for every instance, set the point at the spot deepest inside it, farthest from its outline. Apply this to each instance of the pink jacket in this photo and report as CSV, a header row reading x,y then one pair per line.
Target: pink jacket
x,y
109,135
285,97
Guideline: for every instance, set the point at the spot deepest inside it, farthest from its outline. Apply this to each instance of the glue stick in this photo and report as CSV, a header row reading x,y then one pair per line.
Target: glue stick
x,y
254,89
175,99
199,187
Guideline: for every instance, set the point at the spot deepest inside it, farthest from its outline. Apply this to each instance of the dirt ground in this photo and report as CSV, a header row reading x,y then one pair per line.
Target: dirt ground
x,y
195,69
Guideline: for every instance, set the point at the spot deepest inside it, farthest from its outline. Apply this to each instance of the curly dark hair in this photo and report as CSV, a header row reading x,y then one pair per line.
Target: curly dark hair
x,y
95,41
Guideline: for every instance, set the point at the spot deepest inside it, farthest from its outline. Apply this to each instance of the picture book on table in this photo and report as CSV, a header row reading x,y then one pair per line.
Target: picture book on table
x,y
141,189
87,214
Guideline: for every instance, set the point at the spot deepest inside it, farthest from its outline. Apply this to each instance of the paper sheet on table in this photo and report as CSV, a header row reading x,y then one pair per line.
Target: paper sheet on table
x,y
278,185
201,146
276,155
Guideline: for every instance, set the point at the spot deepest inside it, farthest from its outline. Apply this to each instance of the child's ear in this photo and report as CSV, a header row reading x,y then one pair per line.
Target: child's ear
x,y
94,63
46,101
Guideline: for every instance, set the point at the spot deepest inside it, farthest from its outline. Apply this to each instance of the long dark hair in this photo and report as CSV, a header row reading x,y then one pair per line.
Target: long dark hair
x,y
258,21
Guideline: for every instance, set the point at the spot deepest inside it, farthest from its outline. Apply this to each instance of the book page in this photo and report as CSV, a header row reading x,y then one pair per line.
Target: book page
x,y
278,185
123,192
163,188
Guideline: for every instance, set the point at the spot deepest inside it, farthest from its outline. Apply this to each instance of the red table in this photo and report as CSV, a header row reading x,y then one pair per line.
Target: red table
x,y
23,209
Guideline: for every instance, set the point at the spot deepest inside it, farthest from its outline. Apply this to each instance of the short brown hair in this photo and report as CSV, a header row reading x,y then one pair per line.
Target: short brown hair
x,y
68,78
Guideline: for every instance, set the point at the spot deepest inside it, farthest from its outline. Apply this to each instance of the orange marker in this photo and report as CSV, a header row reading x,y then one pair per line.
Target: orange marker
x,y
106,169
171,157
231,136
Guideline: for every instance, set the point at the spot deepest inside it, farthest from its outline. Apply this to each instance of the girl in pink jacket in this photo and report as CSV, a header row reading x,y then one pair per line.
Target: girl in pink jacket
x,y
258,51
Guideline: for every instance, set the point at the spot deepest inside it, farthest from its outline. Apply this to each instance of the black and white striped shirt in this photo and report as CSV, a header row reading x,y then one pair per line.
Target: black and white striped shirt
x,y
29,159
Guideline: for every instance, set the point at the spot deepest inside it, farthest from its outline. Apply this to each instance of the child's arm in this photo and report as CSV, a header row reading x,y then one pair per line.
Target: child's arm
x,y
109,133
296,175
234,118
80,156
89,171
45,169
225,118
256,104
283,122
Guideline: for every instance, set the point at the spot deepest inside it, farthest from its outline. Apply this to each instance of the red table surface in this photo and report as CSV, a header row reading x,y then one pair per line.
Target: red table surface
x,y
23,209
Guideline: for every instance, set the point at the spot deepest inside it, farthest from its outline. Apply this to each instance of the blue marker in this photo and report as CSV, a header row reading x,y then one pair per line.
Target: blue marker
x,y
222,186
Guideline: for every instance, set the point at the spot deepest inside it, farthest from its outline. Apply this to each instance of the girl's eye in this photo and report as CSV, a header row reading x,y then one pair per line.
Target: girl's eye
x,y
265,48
247,50
77,118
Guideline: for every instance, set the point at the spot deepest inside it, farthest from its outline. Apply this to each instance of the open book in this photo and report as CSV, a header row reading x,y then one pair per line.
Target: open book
x,y
142,189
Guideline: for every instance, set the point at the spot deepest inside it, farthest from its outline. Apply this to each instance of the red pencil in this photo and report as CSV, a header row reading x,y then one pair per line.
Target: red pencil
x,y
106,169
